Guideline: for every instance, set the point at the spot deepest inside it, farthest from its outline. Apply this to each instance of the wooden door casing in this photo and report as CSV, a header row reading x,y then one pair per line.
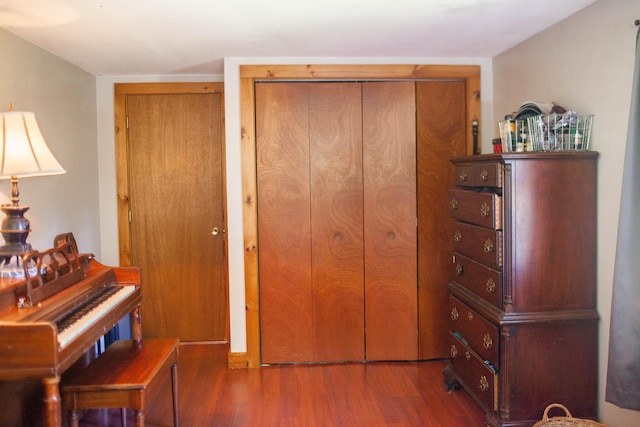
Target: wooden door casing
x,y
171,180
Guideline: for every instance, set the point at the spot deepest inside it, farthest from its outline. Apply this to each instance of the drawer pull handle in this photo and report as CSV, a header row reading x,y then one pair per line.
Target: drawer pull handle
x,y
470,316
454,314
454,351
463,176
490,286
453,203
488,246
459,269
484,175
457,236
467,355
484,384
487,342
485,210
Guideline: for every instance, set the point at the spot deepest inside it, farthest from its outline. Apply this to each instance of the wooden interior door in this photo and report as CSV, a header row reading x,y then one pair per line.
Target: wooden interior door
x,y
441,127
177,225
389,152
309,169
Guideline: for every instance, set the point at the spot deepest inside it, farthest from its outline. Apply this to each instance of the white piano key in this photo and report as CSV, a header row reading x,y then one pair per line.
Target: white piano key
x,y
91,317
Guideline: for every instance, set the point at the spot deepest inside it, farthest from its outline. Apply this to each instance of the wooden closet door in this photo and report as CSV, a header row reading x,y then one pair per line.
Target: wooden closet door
x,y
441,119
284,222
309,163
389,159
336,221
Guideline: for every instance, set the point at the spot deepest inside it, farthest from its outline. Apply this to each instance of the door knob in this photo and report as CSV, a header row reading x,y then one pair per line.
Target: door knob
x,y
215,231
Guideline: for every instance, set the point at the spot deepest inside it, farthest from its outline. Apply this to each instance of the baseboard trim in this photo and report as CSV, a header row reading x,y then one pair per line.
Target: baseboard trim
x,y
237,360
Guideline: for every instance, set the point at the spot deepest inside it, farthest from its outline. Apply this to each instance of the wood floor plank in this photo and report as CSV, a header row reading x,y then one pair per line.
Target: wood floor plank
x,y
392,394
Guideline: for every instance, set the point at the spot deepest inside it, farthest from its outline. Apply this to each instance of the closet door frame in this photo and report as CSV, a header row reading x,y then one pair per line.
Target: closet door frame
x,y
248,76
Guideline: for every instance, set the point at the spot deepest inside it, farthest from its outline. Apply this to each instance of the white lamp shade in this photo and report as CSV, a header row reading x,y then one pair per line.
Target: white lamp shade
x,y
24,151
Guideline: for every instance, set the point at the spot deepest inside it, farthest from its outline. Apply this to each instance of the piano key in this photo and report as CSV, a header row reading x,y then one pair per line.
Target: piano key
x,y
79,325
81,310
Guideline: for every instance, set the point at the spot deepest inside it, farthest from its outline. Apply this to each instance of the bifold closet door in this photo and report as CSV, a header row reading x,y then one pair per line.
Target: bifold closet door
x,y
441,135
284,222
309,172
390,235
337,266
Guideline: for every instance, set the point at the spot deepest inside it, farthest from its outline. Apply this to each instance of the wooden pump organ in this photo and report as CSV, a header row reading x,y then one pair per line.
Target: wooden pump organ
x,y
56,315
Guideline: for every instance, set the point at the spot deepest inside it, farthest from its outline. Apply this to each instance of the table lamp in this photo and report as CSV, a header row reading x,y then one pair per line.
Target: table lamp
x,y
23,153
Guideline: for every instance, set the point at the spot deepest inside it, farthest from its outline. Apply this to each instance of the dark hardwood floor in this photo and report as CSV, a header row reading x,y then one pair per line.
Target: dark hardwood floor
x,y
353,394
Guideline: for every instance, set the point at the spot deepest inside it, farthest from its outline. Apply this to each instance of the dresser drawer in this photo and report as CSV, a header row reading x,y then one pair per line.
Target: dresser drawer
x,y
479,243
482,280
480,334
477,377
480,208
479,175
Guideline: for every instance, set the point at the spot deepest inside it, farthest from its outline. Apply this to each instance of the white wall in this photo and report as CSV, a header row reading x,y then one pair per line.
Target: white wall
x,y
584,63
63,99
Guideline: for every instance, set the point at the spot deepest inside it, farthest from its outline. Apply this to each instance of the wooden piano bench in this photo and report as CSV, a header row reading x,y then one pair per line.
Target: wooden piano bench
x,y
119,378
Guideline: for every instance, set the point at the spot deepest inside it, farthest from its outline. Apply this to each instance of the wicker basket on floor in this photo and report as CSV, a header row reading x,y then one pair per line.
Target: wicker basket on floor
x,y
564,421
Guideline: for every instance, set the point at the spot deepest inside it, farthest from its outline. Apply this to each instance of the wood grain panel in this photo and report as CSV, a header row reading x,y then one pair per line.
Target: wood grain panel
x,y
284,222
560,371
441,134
336,211
389,158
537,244
173,140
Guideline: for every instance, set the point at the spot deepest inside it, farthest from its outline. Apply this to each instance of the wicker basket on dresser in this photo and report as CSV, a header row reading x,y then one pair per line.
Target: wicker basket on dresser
x,y
524,325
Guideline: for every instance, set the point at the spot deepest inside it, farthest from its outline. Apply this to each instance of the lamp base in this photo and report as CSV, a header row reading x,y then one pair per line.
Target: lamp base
x,y
15,230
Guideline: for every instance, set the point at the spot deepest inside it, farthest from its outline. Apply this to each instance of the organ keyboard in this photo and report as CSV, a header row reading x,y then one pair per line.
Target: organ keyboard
x,y
79,321
49,321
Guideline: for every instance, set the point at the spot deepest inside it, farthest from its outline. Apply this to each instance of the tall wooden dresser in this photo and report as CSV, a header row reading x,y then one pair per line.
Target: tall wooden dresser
x,y
524,325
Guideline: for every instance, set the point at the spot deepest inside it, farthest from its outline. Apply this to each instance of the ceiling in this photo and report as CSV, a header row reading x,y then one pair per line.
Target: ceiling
x,y
156,37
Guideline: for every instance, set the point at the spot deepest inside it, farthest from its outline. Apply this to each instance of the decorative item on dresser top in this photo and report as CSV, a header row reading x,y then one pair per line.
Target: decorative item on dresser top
x,y
554,132
523,325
